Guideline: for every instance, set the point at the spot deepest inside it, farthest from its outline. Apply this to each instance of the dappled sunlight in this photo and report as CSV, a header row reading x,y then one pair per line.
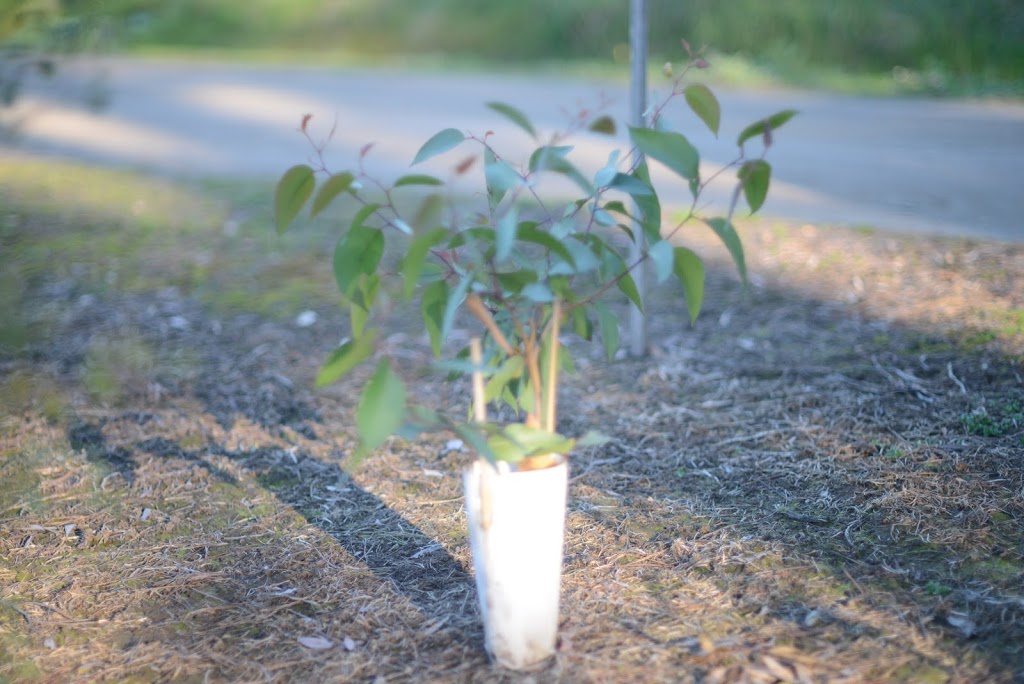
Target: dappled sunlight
x,y
788,490
268,106
935,167
58,127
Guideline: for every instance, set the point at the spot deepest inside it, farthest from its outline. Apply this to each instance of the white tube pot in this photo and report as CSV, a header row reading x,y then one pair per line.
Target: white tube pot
x,y
516,530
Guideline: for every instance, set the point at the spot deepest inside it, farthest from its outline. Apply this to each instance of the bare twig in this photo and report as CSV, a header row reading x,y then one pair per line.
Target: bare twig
x,y
952,376
476,307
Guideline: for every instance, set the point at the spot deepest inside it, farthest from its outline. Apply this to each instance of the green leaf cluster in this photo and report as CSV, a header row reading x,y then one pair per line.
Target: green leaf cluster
x,y
525,268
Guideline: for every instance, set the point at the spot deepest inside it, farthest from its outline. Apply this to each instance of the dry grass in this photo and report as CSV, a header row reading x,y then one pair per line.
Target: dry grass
x,y
793,492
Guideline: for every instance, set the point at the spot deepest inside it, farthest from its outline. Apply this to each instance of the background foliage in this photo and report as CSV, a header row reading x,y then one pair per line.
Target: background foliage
x,y
977,38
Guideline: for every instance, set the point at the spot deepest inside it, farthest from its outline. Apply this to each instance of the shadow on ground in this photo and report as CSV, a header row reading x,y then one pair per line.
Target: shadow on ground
x,y
793,473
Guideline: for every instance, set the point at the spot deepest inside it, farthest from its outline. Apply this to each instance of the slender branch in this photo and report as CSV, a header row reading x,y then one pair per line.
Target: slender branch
x,y
476,307
536,382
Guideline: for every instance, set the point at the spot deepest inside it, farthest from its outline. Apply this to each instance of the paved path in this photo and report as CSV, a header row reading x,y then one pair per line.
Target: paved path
x,y
942,167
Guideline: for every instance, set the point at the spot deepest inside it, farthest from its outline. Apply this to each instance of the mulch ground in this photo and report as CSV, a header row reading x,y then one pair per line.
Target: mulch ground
x,y
821,481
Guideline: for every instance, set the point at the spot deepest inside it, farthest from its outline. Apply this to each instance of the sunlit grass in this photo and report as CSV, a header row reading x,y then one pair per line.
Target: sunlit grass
x,y
100,230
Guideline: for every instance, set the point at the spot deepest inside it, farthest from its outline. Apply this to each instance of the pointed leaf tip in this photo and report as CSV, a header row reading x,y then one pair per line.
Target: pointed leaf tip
x,y
345,358
604,124
293,191
770,123
755,176
689,269
705,105
332,187
671,149
381,409
728,235
438,144
513,115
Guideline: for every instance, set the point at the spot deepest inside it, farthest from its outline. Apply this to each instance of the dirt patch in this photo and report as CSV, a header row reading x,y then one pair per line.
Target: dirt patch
x,y
821,481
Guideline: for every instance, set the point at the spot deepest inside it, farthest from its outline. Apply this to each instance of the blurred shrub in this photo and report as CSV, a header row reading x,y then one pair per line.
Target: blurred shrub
x,y
980,37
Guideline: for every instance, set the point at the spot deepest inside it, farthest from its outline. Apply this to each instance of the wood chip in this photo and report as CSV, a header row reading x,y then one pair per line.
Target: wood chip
x,y
317,643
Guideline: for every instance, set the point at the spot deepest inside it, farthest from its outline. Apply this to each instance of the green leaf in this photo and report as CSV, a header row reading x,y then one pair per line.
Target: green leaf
x,y
504,448
292,193
429,213
662,256
500,178
381,409
471,236
606,173
511,369
362,301
441,142
565,363
618,207
705,105
581,324
755,177
420,420
455,299
649,206
505,235
690,272
358,252
604,124
583,258
592,438
631,185
332,187
538,292
366,212
609,326
513,282
603,218
472,435
671,149
432,306
535,441
518,441
529,232
724,229
345,358
764,126
513,115
417,179
628,287
416,256
552,158
509,398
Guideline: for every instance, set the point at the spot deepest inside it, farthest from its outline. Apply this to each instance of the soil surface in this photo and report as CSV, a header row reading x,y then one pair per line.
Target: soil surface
x,y
820,481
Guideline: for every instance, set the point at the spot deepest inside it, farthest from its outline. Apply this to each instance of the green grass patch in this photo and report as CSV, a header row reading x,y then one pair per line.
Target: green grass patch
x,y
1002,418
102,230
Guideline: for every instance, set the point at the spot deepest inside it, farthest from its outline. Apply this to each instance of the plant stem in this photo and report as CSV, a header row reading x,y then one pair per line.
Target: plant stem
x,y
532,352
551,406
479,404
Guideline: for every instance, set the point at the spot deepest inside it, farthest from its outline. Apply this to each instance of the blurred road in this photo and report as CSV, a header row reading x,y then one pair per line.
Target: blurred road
x,y
909,165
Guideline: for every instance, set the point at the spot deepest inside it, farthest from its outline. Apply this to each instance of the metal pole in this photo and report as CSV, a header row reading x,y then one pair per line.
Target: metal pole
x,y
638,105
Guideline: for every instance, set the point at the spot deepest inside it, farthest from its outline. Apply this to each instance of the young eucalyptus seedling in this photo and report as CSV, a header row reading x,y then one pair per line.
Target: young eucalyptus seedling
x,y
525,266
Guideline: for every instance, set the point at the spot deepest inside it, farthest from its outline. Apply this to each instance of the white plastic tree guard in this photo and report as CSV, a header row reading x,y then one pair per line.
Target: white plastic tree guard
x,y
516,530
